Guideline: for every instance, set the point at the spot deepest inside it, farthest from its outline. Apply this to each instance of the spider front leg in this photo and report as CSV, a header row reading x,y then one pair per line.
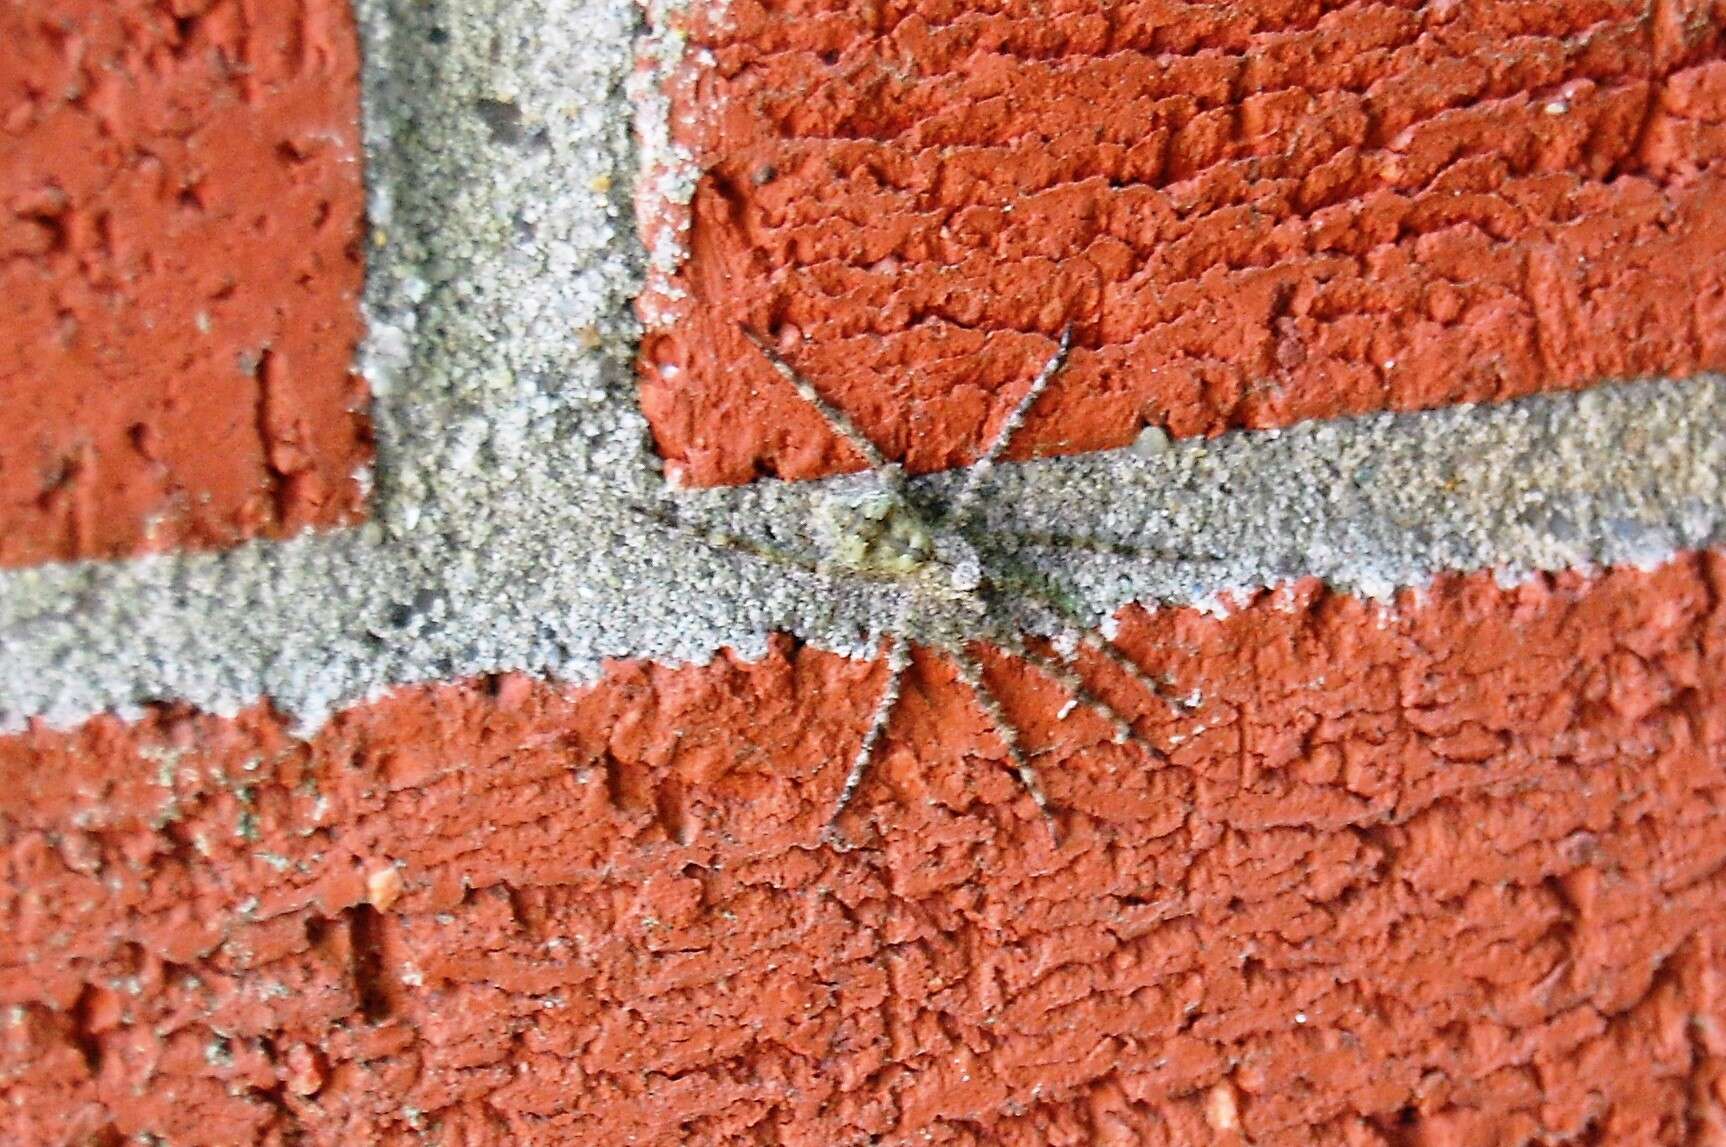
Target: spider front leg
x,y
970,671
841,424
1111,652
960,511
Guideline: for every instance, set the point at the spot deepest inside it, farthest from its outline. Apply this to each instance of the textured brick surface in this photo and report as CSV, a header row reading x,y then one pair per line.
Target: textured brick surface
x,y
1447,874
180,263
1252,214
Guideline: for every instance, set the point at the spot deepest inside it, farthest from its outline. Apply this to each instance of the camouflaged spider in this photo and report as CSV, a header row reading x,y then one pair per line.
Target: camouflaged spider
x,y
960,585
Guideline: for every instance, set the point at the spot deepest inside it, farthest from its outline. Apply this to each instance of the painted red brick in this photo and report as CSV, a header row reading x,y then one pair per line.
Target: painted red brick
x,y
1444,874
180,264
1252,215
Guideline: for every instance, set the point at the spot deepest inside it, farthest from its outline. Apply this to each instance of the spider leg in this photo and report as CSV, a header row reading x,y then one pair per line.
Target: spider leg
x,y
1038,588
719,539
1112,653
898,655
1043,540
980,469
1074,685
832,415
971,673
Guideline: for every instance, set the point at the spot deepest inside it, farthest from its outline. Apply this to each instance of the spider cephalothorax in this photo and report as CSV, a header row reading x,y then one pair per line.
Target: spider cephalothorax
x,y
883,533
956,588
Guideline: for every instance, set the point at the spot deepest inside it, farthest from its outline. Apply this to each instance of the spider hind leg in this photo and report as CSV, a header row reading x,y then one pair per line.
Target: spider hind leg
x,y
1078,692
898,657
970,671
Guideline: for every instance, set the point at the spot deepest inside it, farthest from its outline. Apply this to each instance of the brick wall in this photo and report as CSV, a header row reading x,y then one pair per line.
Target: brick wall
x,y
497,809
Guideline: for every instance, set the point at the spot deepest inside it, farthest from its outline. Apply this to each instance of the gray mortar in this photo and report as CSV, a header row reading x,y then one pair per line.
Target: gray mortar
x,y
510,453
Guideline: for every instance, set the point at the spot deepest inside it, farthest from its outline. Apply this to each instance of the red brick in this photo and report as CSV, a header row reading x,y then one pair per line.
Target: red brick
x,y
1252,216
180,265
1474,841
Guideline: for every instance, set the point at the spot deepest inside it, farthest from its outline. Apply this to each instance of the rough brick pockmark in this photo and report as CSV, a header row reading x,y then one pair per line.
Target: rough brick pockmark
x,y
180,267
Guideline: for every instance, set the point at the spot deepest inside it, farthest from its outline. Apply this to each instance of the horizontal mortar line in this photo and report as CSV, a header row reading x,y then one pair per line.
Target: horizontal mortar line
x,y
1621,474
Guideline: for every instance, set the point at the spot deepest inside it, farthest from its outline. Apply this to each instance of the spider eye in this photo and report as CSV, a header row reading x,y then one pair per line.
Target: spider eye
x,y
851,550
876,509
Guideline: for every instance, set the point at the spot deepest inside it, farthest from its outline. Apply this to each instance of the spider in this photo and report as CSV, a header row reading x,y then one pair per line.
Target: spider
x,y
956,585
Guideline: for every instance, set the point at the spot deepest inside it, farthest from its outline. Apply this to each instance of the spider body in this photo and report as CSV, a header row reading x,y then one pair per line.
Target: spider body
x,y
885,534
956,587
879,533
